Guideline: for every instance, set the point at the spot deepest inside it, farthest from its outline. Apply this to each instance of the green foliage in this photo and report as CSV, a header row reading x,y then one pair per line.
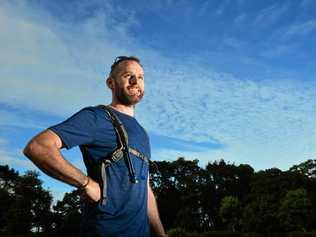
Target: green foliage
x,y
307,168
26,235
220,234
261,213
252,234
195,199
26,203
67,215
70,202
177,232
302,234
295,210
224,179
230,212
8,179
177,185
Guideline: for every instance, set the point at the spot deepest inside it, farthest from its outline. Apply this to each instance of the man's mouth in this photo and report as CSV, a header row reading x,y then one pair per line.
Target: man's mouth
x,y
134,91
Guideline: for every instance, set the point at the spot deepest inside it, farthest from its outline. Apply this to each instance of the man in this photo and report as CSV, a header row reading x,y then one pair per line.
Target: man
x,y
118,197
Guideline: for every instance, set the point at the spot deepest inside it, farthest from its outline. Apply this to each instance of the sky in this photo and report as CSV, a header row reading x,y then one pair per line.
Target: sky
x,y
225,79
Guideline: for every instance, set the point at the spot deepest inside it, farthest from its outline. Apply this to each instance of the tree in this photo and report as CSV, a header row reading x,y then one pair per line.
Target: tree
x,y
267,189
230,212
67,214
224,179
32,204
295,210
29,202
5,202
176,185
260,215
8,179
307,168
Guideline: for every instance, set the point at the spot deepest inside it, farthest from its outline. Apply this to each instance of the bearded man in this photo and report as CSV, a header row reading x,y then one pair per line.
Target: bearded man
x,y
118,200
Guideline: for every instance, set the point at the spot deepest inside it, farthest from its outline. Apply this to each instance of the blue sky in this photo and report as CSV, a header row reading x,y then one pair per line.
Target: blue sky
x,y
224,79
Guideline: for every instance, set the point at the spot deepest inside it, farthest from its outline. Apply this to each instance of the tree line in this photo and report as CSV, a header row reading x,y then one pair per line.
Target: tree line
x,y
220,196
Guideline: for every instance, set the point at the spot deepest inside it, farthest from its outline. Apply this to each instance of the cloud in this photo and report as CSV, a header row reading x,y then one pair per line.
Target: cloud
x,y
10,158
16,119
13,158
222,7
307,4
270,15
161,141
57,68
233,43
302,29
45,65
260,120
3,141
279,50
240,20
204,8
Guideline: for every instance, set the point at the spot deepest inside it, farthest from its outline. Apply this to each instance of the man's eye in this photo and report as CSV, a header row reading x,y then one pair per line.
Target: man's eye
x,y
141,78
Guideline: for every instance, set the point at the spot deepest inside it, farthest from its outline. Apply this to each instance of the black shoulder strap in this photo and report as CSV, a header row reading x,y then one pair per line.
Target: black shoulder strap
x,y
122,137
123,141
118,126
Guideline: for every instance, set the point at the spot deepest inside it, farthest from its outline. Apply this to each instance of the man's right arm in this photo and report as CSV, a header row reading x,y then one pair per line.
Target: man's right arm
x,y
44,151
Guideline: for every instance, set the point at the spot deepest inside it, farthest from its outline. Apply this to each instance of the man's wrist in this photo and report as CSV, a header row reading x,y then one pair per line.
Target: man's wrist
x,y
85,184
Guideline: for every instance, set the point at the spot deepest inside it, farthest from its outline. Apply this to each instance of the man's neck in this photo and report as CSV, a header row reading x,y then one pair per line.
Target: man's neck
x,y
129,110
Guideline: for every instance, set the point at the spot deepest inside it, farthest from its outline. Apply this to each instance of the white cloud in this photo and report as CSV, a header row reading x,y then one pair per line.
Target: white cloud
x,y
3,142
13,158
264,122
240,20
307,4
233,43
270,15
58,71
222,7
17,120
302,28
279,50
43,66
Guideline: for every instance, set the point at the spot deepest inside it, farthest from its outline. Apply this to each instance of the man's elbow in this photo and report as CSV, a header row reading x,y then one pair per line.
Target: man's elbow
x,y
43,143
37,147
31,149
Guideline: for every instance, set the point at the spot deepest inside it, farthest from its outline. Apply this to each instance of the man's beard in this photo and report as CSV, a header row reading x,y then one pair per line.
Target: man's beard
x,y
126,99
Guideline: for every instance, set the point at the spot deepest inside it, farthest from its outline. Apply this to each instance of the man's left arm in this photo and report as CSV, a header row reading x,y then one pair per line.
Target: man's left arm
x,y
153,214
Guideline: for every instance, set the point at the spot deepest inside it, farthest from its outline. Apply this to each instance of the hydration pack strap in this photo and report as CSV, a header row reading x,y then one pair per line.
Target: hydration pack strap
x,y
122,151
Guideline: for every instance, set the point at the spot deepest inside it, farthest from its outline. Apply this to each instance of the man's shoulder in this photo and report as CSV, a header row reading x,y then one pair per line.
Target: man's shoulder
x,y
98,110
93,108
90,114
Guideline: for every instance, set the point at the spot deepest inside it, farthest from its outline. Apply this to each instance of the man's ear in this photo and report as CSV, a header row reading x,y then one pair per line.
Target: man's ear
x,y
110,82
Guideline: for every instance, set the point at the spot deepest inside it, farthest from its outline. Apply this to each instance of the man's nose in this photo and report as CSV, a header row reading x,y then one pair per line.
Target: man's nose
x,y
133,80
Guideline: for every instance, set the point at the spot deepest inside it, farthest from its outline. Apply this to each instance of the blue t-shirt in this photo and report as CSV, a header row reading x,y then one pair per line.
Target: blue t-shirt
x,y
125,211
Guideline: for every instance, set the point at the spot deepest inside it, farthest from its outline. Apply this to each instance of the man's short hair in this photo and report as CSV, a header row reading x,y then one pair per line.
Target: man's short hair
x,y
120,59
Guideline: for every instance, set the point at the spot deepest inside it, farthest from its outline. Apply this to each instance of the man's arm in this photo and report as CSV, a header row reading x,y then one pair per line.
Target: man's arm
x,y
44,151
153,214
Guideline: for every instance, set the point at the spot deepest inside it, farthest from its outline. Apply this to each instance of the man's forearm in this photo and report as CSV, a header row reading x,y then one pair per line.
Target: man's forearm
x,y
153,215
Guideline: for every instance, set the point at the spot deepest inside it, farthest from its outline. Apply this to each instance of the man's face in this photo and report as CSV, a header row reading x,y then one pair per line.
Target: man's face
x,y
128,83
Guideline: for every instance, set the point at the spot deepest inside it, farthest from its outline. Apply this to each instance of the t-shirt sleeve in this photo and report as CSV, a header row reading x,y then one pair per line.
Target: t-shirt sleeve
x,y
77,130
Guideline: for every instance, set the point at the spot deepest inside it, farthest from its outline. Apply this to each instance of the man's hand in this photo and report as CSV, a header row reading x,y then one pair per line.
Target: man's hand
x,y
92,191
